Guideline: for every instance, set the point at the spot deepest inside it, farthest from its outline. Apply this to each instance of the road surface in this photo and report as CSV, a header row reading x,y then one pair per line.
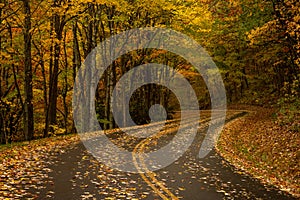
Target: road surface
x,y
76,174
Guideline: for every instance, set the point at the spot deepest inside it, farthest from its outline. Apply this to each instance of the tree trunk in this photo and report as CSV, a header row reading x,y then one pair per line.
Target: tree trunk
x,y
53,86
53,92
28,106
65,86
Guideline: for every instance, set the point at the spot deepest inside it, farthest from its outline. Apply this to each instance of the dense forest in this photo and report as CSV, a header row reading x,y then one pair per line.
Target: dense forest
x,y
255,44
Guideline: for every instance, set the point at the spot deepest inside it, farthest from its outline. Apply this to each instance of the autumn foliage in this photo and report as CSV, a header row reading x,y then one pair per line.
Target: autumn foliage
x,y
43,43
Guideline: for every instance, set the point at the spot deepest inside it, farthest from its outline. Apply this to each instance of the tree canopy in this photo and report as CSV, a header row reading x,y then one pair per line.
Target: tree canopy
x,y
43,43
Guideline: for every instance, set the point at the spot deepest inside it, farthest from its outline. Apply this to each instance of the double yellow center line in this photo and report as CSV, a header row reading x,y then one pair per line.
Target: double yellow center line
x,y
148,176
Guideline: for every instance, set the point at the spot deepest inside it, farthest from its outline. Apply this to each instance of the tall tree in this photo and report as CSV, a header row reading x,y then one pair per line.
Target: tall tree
x,y
28,106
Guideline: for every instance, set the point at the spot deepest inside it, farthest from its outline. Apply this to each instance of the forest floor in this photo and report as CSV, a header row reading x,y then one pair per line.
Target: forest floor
x,y
262,148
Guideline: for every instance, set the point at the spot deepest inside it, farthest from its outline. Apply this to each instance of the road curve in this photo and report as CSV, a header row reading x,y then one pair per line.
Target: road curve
x,y
78,175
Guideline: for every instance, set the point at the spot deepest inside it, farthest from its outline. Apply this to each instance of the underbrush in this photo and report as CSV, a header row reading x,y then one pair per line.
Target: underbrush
x,y
288,115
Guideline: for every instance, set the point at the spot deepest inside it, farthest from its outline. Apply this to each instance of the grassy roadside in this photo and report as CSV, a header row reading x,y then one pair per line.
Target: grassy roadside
x,y
265,150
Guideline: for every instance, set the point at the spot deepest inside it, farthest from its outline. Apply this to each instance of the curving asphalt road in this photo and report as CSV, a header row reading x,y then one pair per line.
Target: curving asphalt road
x,y
76,174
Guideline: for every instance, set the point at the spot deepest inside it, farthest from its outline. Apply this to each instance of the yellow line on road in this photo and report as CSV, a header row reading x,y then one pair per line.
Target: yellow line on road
x,y
148,176
152,174
141,172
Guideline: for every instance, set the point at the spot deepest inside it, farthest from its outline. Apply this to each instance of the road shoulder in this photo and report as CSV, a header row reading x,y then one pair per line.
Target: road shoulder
x,y
256,145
